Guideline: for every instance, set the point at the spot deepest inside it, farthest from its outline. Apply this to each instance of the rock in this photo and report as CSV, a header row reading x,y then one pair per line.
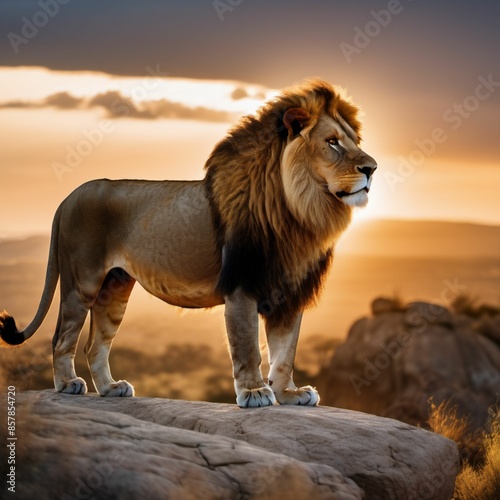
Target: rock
x,y
323,452
420,314
69,451
392,364
490,327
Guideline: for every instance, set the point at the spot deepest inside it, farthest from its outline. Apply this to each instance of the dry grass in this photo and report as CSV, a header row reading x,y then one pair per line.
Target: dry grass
x,y
479,477
444,420
483,482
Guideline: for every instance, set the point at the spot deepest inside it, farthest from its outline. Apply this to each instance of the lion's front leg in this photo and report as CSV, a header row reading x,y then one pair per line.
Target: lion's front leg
x,y
242,324
282,344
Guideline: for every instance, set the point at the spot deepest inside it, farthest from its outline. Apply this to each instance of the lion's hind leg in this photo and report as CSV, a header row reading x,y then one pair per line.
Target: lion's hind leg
x,y
106,316
282,344
72,315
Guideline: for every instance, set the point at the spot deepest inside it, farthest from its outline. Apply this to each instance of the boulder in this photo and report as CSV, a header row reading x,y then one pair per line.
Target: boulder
x,y
392,364
72,452
489,326
422,314
184,448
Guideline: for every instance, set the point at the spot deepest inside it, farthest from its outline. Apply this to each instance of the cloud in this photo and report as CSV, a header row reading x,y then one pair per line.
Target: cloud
x,y
116,105
119,106
239,93
242,93
62,100
19,105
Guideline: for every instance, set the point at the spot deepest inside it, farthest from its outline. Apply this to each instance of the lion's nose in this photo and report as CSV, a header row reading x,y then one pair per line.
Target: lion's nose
x,y
367,170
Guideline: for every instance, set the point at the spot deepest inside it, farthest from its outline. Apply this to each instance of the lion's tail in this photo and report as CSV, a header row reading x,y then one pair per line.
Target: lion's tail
x,y
10,336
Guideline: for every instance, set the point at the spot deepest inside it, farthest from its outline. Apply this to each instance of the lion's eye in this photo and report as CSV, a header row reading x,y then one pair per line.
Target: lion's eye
x,y
333,141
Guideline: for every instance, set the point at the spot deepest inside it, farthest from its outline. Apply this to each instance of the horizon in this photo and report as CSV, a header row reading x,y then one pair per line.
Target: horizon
x,y
369,237
19,237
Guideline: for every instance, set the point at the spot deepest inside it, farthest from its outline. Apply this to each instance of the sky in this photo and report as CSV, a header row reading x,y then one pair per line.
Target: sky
x,y
145,90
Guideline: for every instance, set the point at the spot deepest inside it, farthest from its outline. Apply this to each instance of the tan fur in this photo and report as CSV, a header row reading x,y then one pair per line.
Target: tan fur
x,y
257,234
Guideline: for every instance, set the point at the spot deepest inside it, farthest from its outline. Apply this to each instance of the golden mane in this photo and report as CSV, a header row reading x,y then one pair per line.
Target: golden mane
x,y
276,252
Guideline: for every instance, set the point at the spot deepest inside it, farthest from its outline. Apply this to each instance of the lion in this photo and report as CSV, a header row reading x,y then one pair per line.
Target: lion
x,y
256,235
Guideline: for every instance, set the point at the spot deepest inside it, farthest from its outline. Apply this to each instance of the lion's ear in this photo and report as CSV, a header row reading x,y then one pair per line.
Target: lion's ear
x,y
295,119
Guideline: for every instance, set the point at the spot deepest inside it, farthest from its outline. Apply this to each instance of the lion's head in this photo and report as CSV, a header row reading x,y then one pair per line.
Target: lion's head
x,y
329,148
282,185
322,158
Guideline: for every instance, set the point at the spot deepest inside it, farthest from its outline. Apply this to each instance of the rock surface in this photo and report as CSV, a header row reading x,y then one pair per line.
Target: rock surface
x,y
157,448
393,362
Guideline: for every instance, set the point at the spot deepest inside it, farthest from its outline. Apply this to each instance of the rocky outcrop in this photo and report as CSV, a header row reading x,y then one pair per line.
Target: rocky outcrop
x,y
75,452
393,362
80,446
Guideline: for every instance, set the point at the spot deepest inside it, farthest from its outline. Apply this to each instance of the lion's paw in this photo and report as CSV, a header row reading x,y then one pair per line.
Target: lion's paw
x,y
74,386
120,389
305,396
253,398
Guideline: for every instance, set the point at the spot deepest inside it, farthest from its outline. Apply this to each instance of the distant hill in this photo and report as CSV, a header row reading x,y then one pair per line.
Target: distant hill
x,y
409,238
377,238
28,249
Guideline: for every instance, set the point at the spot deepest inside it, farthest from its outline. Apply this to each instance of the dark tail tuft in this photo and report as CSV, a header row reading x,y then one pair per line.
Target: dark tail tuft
x,y
8,331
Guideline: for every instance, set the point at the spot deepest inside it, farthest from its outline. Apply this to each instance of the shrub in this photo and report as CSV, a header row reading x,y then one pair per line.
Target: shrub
x,y
464,304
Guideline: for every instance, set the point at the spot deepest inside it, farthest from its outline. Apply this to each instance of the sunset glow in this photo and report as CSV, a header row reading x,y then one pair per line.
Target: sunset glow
x,y
152,124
